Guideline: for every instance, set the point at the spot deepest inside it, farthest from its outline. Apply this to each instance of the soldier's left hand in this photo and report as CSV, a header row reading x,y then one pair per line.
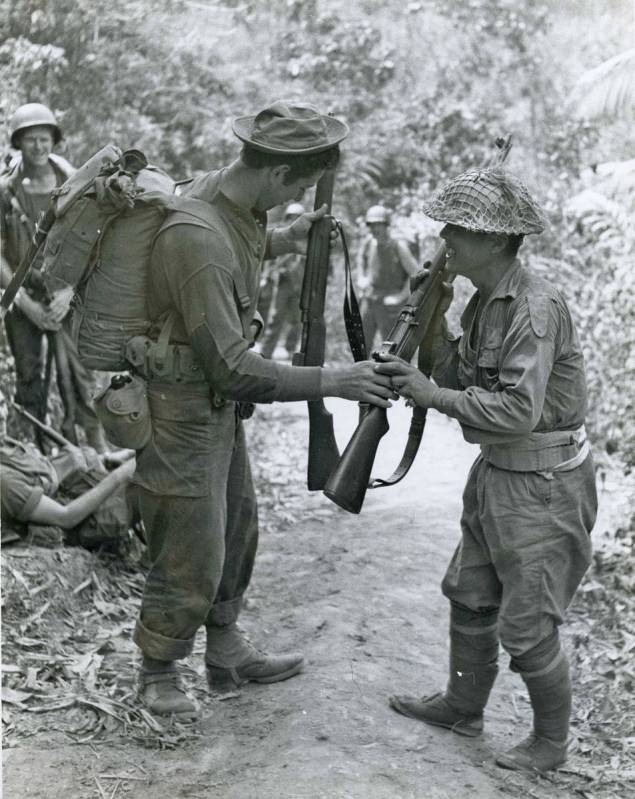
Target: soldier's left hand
x,y
407,381
298,231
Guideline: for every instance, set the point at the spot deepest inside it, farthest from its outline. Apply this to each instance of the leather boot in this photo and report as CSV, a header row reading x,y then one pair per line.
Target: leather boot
x,y
473,670
233,660
437,711
550,695
161,691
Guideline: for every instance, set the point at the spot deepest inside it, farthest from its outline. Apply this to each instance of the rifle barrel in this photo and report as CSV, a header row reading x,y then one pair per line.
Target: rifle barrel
x,y
58,438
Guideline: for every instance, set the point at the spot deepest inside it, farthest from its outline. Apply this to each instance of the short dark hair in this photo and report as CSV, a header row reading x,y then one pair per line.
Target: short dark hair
x,y
301,165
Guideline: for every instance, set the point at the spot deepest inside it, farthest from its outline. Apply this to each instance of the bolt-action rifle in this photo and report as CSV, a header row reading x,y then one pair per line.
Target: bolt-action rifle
x,y
323,452
414,328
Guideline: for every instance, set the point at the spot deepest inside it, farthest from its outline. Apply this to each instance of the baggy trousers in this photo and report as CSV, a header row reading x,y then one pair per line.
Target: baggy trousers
x,y
196,497
524,549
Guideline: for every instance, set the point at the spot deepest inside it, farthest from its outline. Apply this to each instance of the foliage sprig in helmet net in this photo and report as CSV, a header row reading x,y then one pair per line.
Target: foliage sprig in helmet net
x,y
489,201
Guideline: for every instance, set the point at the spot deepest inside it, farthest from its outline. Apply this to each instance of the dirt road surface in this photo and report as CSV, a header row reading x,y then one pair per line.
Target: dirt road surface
x,y
360,597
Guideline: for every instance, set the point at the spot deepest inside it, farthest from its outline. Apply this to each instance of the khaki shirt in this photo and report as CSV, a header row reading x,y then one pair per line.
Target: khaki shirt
x,y
386,266
18,211
27,476
211,277
517,368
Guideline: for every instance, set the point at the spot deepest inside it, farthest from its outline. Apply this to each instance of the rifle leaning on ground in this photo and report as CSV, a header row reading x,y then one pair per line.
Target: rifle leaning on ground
x,y
323,451
414,328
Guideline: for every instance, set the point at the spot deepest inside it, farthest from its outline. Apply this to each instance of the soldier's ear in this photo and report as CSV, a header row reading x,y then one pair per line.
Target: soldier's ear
x,y
279,173
498,242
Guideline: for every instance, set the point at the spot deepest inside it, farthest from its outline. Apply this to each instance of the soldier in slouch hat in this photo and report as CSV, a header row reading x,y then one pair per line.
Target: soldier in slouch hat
x,y
193,481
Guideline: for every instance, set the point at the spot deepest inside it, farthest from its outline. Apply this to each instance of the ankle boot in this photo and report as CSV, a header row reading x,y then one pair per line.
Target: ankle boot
x,y
232,660
550,696
161,691
473,670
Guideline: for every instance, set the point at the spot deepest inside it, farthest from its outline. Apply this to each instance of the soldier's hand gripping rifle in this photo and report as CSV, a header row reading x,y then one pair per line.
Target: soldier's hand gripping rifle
x,y
323,452
415,327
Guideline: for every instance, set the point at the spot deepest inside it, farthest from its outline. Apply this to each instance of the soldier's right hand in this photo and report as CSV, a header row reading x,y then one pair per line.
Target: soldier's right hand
x,y
358,382
39,315
77,459
447,289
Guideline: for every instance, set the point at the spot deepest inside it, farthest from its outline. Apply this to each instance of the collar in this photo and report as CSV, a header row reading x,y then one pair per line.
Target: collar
x,y
62,168
509,284
208,188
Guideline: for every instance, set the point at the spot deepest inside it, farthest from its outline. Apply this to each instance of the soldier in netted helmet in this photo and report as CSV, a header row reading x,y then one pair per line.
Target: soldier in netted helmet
x,y
515,381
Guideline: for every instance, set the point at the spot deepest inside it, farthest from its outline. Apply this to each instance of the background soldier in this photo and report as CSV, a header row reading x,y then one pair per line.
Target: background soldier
x,y
384,266
25,193
515,381
286,299
193,480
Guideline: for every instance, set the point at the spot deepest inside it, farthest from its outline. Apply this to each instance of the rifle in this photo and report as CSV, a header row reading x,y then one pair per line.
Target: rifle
x,y
56,437
414,328
323,451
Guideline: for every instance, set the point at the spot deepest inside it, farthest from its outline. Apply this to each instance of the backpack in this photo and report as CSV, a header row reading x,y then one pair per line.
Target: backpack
x,y
107,218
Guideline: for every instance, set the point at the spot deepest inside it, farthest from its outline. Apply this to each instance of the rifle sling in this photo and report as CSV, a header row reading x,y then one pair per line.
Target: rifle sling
x,y
352,315
425,361
415,434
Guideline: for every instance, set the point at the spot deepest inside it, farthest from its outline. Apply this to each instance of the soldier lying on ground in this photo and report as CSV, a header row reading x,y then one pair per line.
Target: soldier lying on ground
x,y
515,381
94,509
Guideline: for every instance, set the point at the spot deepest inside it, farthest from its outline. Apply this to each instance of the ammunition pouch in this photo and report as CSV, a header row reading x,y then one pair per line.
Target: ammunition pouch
x,y
162,362
124,412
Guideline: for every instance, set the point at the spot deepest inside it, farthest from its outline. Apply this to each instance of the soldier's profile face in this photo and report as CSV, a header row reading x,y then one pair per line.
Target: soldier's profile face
x,y
295,191
36,144
466,250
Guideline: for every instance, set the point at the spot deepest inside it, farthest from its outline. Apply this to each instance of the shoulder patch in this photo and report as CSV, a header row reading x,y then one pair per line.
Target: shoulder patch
x,y
539,313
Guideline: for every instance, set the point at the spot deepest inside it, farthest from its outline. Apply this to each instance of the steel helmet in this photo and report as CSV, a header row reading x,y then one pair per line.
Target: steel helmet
x,y
30,115
487,200
377,213
294,209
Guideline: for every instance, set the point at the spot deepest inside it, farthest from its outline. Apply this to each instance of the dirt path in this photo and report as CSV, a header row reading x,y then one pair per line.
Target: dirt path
x,y
359,596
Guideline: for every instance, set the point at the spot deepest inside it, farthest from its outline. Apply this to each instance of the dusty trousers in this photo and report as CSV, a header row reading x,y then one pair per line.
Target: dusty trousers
x,y
195,494
524,549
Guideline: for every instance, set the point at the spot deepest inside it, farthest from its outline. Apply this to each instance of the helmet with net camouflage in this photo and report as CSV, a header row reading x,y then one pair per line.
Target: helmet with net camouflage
x,y
489,201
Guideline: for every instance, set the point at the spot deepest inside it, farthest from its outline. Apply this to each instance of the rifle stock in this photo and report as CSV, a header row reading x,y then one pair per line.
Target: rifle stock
x,y
349,480
323,451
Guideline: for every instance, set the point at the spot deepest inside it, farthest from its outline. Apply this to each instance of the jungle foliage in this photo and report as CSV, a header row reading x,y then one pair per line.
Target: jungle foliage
x,y
425,87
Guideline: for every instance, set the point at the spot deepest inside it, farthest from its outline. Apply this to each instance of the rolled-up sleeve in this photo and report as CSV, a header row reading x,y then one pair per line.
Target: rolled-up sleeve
x,y
20,497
